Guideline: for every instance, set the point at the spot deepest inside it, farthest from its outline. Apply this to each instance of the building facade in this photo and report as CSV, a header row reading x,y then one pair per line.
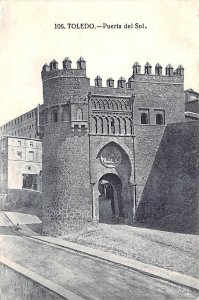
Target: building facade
x,y
99,142
20,164
191,105
24,125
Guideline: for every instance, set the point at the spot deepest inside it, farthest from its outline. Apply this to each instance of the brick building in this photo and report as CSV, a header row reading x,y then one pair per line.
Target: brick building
x,y
100,142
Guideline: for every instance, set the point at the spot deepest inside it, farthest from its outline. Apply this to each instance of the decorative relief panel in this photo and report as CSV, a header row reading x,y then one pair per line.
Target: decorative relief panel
x,y
110,156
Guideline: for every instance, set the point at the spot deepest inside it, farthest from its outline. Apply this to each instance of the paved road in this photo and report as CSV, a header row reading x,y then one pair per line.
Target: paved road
x,y
85,276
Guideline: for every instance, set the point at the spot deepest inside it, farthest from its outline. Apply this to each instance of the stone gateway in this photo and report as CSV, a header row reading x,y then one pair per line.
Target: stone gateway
x,y
100,143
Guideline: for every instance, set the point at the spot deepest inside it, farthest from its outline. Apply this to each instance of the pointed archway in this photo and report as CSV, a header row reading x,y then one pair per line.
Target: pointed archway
x,y
110,199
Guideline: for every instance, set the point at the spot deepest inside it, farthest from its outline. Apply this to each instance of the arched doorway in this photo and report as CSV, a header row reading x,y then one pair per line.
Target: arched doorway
x,y
110,199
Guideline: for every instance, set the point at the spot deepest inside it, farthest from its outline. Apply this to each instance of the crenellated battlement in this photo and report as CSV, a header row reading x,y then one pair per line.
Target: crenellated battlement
x,y
121,82
170,75
52,70
169,70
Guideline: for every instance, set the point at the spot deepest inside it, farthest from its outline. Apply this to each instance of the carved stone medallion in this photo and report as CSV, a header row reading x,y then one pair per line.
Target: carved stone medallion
x,y
110,156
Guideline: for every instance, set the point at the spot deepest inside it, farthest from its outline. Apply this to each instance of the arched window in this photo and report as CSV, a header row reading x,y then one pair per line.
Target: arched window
x,y
159,119
93,104
131,126
95,124
79,114
54,117
101,125
107,125
119,126
125,131
65,115
144,118
112,126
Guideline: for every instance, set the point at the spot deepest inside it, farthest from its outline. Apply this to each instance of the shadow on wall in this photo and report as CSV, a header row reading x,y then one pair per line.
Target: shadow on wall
x,y
170,198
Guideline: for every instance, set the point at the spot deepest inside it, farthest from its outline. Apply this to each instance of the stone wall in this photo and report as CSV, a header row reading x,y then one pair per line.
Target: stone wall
x,y
147,140
62,89
15,285
66,194
154,96
23,200
170,197
192,106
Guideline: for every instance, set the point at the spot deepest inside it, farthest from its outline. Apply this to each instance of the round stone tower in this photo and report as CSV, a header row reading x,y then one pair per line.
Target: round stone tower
x,y
66,204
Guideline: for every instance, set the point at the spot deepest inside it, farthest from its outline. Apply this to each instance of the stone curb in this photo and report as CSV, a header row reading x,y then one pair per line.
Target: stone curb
x,y
46,283
157,272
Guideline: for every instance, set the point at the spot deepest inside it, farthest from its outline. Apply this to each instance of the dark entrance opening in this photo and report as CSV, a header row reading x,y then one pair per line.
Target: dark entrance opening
x,y
110,199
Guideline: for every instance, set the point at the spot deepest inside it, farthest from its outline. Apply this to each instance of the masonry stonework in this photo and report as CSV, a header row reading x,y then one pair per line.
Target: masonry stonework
x,y
100,143
170,196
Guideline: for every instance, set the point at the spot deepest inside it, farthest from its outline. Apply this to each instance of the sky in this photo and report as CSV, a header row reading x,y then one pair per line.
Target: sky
x,y
28,40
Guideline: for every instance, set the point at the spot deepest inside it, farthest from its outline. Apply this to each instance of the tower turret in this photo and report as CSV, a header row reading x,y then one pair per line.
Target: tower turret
x,y
147,68
53,65
110,82
169,70
66,63
136,68
46,68
98,81
180,70
81,64
121,83
158,69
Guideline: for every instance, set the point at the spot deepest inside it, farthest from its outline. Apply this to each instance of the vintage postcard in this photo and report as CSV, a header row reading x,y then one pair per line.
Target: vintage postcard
x,y
99,149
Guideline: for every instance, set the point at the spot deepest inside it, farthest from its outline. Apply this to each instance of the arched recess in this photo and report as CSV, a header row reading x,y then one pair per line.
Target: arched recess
x,y
110,104
101,125
123,148
111,206
123,104
94,125
129,127
79,114
93,104
54,116
112,126
105,103
118,126
46,116
144,118
124,126
106,125
115,105
159,119
120,105
65,114
98,105
113,159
